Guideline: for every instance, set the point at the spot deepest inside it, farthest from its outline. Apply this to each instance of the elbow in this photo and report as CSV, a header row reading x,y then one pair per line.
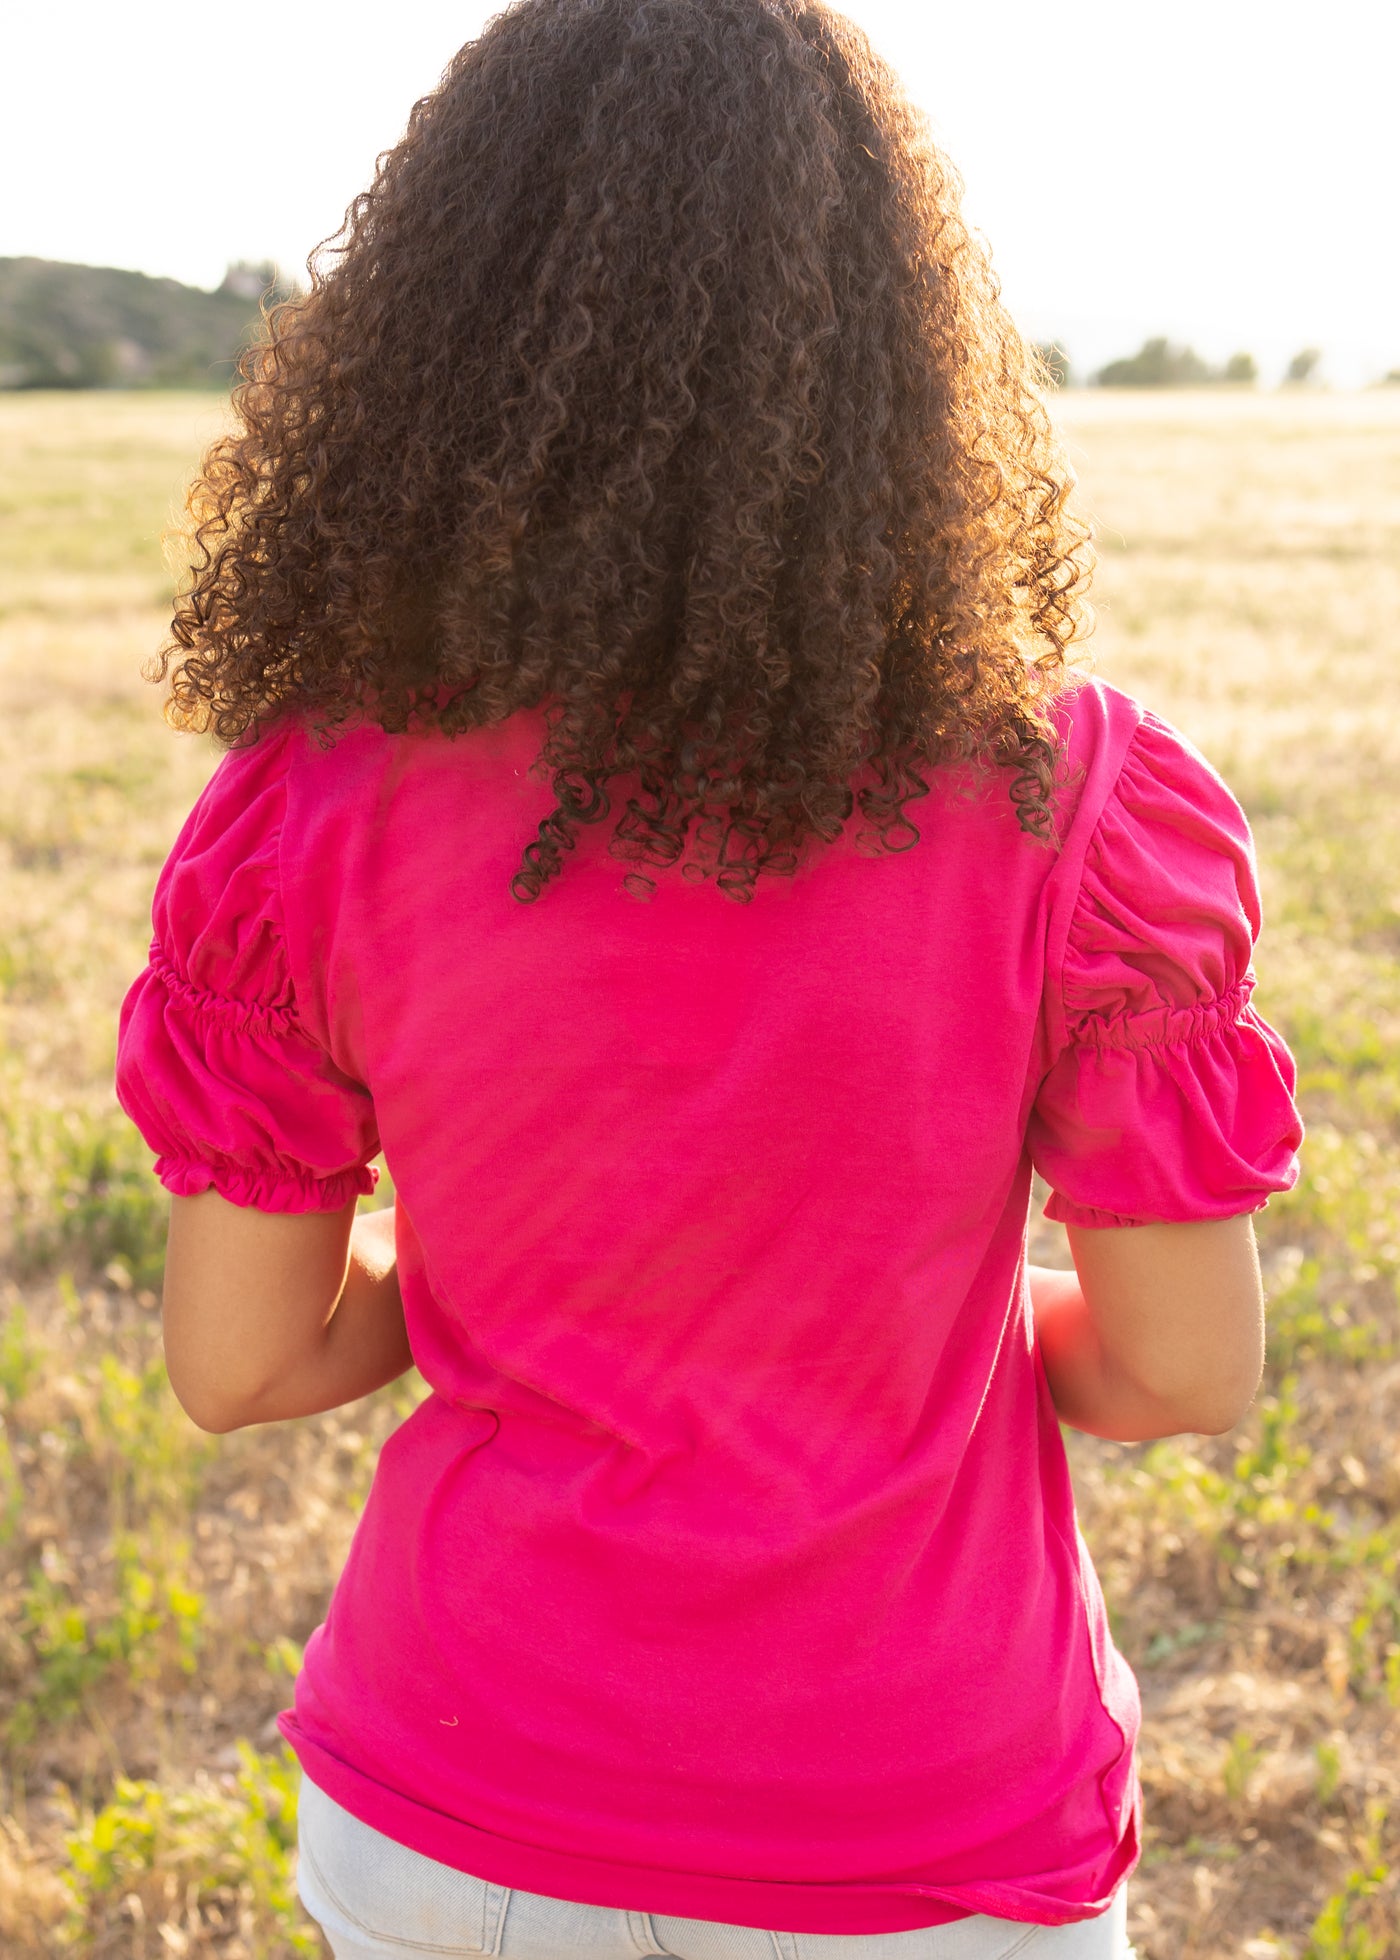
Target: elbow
x,y
1208,1391
216,1413
1204,1398
1214,1408
216,1398
213,1417
1221,1420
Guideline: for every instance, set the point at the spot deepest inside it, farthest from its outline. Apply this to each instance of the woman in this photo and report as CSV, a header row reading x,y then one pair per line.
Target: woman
x,y
653,479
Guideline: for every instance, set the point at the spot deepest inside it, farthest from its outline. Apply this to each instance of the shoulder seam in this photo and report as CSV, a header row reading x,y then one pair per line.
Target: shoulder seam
x,y
1067,903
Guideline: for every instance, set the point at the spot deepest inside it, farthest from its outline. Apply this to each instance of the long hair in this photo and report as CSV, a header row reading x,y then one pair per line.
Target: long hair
x,y
655,381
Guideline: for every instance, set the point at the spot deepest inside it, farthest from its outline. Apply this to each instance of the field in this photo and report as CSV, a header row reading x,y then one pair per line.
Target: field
x,y
156,1584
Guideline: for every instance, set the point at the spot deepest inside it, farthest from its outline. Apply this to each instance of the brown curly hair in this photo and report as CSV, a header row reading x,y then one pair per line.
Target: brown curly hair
x,y
656,381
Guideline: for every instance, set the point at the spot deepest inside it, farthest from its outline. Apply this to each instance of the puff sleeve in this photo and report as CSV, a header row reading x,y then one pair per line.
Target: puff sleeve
x,y
1169,1099
214,1064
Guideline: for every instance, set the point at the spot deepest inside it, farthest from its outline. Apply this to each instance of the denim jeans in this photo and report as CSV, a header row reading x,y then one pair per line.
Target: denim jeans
x,y
375,1899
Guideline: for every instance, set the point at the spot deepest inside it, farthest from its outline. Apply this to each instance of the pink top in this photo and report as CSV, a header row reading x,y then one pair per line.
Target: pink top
x,y
731,1569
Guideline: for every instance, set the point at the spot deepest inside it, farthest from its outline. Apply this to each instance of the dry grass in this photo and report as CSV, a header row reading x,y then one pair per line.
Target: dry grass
x,y
155,1585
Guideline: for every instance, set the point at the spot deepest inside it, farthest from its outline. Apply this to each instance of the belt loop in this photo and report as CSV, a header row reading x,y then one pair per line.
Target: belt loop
x,y
498,1896
643,1933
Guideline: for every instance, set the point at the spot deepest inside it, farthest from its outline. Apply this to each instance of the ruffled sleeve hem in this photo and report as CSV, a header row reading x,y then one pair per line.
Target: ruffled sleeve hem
x,y
1172,1132
280,1190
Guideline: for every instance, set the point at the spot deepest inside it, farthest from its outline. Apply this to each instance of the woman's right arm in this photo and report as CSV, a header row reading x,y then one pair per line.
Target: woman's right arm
x,y
1159,1330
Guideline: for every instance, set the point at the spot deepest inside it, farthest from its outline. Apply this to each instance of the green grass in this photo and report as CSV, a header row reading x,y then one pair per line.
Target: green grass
x,y
225,1854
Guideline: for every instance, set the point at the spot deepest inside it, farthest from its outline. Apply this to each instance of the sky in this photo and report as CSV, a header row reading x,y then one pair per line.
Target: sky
x,y
1225,172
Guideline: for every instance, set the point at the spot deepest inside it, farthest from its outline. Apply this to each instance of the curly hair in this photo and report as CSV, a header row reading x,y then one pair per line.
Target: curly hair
x,y
656,381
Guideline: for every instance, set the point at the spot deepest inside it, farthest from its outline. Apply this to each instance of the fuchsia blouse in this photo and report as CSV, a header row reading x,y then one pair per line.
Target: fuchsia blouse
x,y
731,1568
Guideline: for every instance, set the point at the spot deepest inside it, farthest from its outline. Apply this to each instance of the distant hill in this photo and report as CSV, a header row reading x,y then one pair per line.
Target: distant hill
x,y
91,326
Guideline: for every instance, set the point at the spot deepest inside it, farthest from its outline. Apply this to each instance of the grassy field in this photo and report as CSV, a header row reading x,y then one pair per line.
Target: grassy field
x,y
156,1585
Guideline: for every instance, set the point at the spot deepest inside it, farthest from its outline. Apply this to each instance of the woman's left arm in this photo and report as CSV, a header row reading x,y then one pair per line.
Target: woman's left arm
x,y
269,1315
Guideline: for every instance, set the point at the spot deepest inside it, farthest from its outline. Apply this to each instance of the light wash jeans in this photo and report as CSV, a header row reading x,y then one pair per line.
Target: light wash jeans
x,y
375,1899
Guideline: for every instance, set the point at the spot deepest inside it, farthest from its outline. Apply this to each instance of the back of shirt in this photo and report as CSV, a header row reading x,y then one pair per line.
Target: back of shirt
x,y
731,1569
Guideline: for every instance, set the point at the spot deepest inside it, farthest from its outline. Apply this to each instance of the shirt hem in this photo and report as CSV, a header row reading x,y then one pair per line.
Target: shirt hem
x,y
878,1906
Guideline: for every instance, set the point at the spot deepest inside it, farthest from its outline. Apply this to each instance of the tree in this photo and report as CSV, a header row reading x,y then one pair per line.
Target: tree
x,y
251,279
1241,371
1157,364
1303,366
